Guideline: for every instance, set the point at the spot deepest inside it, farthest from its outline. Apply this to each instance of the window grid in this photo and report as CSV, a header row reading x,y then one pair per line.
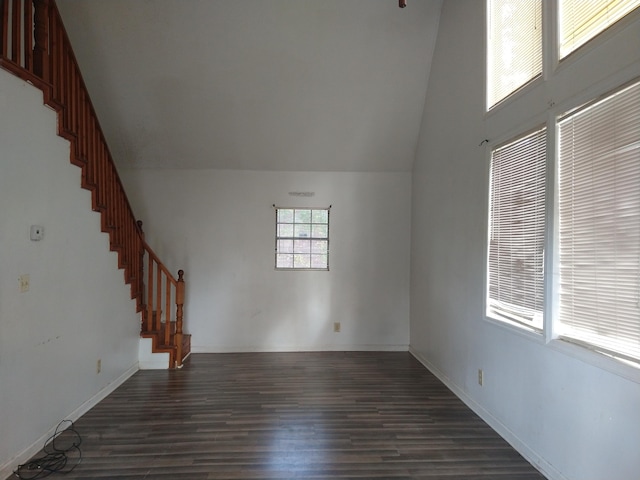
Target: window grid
x,y
302,239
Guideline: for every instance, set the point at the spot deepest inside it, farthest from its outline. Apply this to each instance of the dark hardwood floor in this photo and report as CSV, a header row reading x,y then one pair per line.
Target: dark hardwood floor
x,y
329,415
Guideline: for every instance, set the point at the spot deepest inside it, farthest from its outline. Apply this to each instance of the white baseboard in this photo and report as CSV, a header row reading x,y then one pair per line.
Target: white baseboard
x,y
289,348
522,448
7,468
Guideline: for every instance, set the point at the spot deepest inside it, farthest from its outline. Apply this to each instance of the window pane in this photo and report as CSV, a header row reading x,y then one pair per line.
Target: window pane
x,y
284,261
514,55
599,224
319,261
285,246
302,246
517,231
321,216
320,231
581,20
285,230
303,216
320,246
301,261
302,230
285,215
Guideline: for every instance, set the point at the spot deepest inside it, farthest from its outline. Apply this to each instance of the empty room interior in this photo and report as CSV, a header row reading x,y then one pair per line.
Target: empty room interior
x,y
453,185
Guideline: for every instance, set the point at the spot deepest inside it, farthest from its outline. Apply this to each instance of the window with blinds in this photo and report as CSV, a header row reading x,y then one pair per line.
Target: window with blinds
x,y
302,239
581,20
514,47
517,230
599,225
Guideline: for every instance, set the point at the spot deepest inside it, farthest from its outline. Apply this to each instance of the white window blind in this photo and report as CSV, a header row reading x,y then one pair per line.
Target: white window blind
x,y
514,46
599,225
517,231
302,238
581,20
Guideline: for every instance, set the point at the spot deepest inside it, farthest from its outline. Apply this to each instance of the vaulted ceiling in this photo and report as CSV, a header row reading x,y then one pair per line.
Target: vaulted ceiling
x,y
300,85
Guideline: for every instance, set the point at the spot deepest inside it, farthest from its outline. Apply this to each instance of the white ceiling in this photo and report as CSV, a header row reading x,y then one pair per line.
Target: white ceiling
x,y
300,85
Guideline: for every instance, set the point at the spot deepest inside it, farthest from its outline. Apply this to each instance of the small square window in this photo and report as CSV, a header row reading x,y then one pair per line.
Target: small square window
x,y
302,239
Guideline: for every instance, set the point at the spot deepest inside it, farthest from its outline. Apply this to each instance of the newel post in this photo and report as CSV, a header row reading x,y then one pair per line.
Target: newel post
x,y
41,39
179,315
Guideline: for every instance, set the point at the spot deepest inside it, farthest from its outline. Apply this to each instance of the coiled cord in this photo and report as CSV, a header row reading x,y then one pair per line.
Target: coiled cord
x,y
62,454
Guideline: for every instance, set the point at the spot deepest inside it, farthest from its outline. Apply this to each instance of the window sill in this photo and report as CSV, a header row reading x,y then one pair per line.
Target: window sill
x,y
613,365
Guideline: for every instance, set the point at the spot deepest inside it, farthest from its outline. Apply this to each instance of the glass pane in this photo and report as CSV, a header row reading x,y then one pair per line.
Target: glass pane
x,y
285,246
303,230
321,216
285,215
302,246
285,230
319,231
284,261
301,261
303,216
319,246
319,261
514,46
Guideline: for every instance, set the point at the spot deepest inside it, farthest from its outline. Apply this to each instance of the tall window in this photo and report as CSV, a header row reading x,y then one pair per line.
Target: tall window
x,y
599,224
302,239
581,20
514,46
517,230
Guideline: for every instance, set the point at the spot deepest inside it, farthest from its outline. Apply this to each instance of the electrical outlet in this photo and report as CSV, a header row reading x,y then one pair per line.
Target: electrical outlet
x,y
480,377
99,366
336,327
24,283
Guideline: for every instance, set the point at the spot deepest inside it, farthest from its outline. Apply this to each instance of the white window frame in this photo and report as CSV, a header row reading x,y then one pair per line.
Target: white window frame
x,y
611,13
301,240
496,68
519,225
553,66
565,332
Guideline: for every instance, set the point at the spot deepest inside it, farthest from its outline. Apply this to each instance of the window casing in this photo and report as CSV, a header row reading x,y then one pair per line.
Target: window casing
x,y
302,239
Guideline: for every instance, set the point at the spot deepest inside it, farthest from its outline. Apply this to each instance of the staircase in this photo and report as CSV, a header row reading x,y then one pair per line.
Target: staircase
x,y
35,47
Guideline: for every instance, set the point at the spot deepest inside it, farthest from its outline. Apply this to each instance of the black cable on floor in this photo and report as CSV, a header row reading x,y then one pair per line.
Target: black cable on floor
x,y
61,454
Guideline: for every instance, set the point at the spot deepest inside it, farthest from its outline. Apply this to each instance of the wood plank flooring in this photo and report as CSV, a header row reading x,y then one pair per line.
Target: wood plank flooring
x,y
329,415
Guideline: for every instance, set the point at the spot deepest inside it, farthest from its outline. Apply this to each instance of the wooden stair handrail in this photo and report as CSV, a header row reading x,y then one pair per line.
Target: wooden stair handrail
x,y
34,46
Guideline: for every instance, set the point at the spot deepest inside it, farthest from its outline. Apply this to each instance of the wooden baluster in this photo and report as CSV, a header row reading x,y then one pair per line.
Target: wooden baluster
x,y
167,310
4,28
15,31
41,39
158,287
149,292
179,315
28,28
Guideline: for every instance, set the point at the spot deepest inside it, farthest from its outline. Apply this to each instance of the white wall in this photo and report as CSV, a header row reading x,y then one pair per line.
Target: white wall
x,y
219,227
562,407
78,308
